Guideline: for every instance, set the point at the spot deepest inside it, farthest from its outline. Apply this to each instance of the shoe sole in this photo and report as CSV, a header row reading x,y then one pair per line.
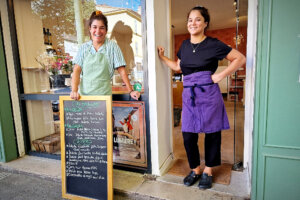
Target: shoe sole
x,y
204,187
188,185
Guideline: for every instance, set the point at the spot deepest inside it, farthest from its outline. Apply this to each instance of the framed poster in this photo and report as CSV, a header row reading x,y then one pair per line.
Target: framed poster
x,y
86,149
129,133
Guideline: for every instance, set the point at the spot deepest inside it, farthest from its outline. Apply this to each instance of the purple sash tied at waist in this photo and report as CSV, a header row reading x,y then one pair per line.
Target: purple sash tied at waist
x,y
193,95
203,109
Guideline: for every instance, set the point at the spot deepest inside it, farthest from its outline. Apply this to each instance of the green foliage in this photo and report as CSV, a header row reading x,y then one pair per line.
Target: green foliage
x,y
61,14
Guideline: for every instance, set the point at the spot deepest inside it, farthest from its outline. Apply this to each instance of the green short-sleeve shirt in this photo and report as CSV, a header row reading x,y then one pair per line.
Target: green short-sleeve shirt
x,y
109,48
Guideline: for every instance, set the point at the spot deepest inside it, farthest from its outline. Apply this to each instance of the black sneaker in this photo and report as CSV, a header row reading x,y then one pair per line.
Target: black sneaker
x,y
191,178
205,181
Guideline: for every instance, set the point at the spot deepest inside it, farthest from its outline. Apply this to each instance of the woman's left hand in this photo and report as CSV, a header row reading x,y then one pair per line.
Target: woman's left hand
x,y
135,95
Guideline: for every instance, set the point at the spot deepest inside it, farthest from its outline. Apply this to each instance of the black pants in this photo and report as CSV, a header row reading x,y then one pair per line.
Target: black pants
x,y
212,147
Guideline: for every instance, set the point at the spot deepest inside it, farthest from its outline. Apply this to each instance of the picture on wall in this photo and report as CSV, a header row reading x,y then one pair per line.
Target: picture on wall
x,y
129,133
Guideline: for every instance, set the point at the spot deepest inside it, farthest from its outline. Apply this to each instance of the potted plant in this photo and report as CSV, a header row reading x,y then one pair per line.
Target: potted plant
x,y
59,67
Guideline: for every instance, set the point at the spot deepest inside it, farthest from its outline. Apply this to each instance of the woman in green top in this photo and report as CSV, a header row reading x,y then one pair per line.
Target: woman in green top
x,y
96,61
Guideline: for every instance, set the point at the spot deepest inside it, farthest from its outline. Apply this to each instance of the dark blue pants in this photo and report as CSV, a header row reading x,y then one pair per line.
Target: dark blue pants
x,y
212,146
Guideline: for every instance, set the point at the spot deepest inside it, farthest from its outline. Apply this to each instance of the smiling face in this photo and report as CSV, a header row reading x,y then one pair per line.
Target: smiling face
x,y
196,23
98,31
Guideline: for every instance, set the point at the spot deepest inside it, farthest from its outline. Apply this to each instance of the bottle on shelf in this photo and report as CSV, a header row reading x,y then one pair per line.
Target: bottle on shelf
x,y
50,38
45,35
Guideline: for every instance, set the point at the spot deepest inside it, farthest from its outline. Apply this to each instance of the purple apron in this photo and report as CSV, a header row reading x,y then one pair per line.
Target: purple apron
x,y
203,109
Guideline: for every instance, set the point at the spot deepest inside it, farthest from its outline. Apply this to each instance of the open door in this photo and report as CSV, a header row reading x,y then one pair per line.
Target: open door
x,y
228,24
277,102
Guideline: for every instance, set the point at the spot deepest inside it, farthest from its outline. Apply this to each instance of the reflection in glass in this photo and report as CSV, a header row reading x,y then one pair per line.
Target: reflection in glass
x,y
125,27
122,34
58,17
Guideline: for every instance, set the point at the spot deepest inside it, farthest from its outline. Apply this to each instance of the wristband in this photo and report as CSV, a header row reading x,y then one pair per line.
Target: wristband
x,y
130,93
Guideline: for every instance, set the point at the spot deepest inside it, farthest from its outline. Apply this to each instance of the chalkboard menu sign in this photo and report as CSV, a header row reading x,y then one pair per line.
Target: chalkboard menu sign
x,y
86,147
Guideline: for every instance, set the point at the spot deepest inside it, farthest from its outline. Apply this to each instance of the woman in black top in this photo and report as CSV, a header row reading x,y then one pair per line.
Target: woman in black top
x,y
203,108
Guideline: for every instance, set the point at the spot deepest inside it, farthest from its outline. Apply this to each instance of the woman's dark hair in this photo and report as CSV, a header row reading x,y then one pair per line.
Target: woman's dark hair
x,y
98,15
203,11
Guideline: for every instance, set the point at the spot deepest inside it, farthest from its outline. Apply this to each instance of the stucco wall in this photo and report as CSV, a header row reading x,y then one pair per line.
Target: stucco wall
x,y
159,80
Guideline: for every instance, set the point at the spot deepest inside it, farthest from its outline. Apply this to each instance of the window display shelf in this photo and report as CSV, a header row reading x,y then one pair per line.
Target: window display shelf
x,y
43,96
54,94
47,96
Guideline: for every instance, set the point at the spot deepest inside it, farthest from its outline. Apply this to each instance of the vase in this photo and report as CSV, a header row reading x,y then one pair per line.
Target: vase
x,y
58,81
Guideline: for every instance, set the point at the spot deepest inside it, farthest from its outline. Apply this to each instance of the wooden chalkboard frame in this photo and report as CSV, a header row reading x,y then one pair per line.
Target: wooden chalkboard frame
x,y
108,100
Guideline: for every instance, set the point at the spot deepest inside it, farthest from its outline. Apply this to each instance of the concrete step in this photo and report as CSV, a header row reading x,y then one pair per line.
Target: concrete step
x,y
169,187
129,185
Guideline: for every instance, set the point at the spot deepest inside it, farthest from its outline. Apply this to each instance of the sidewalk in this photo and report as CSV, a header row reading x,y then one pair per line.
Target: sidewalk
x,y
127,185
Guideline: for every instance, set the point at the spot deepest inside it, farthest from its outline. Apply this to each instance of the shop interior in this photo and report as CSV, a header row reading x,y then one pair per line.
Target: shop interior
x,y
228,24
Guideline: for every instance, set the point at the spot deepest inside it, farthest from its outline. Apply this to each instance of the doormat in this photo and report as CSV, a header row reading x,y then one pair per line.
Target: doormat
x,y
221,174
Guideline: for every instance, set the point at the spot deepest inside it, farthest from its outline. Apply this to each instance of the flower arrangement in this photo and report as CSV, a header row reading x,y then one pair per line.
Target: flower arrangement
x,y
55,64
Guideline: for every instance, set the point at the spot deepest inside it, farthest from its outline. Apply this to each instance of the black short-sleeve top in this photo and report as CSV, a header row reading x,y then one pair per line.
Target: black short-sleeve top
x,y
206,55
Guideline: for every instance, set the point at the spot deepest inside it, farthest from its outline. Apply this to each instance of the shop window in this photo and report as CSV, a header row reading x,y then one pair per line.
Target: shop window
x,y
49,35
